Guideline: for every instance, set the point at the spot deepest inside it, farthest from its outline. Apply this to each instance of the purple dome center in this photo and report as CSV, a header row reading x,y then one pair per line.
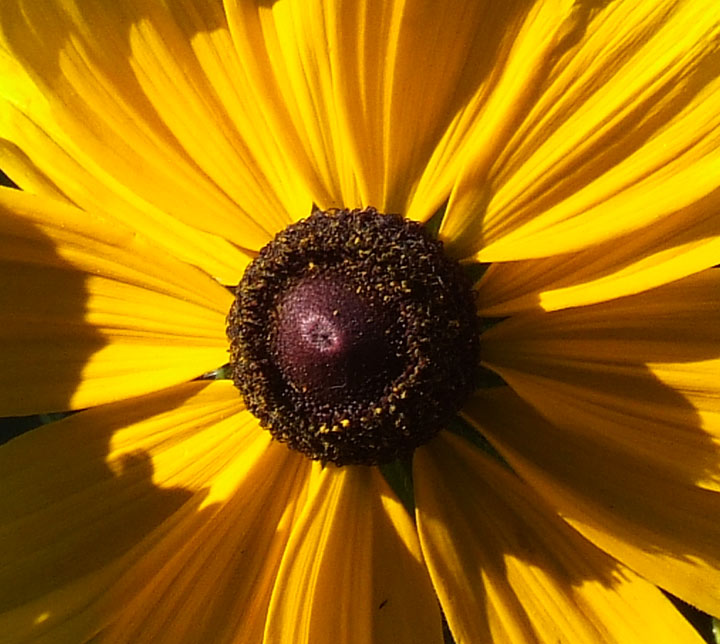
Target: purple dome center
x,y
330,342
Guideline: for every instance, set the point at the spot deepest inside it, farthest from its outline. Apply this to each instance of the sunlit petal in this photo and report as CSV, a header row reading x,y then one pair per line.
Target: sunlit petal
x,y
616,132
90,312
676,247
91,535
142,109
660,525
507,569
352,572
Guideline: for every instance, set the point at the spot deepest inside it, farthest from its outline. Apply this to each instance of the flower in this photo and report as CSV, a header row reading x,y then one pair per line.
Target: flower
x,y
573,145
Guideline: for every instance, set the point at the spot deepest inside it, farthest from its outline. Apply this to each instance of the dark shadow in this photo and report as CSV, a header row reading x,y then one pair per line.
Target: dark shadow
x,y
13,426
29,259
6,181
702,622
41,296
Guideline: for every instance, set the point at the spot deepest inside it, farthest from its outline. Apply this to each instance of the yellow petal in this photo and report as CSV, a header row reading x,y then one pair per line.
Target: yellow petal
x,y
211,579
532,35
91,312
638,373
631,453
145,110
118,512
54,164
376,83
214,255
616,129
352,572
371,87
507,569
27,175
631,477
483,92
678,246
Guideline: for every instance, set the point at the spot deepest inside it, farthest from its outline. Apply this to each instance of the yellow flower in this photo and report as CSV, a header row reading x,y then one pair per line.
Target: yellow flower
x,y
575,146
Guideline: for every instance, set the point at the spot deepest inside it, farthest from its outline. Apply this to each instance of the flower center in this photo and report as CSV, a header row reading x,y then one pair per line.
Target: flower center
x,y
353,338
332,344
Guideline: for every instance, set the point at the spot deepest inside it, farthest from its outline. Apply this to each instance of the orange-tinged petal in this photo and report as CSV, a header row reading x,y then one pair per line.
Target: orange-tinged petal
x,y
621,131
508,569
104,511
143,110
352,572
91,312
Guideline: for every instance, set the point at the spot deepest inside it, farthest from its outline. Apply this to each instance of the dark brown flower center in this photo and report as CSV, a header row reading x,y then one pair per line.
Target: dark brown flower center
x,y
353,338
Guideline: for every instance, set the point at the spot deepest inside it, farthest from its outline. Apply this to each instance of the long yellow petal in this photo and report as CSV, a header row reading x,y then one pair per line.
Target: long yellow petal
x,y
508,569
623,435
90,312
682,244
211,579
352,572
484,91
638,373
662,527
631,451
371,87
621,131
113,516
143,109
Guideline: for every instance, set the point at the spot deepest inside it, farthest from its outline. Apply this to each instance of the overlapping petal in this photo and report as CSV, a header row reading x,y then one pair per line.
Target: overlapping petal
x,y
246,112
131,513
680,245
615,129
507,569
91,312
347,73
554,130
352,572
635,370
517,44
45,160
144,110
661,526
622,430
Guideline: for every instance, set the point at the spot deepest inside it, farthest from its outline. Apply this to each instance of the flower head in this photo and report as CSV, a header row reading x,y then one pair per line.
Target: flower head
x,y
565,154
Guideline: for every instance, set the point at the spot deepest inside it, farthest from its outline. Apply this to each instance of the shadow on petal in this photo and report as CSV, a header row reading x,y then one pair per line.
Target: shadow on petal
x,y
614,419
67,519
44,339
